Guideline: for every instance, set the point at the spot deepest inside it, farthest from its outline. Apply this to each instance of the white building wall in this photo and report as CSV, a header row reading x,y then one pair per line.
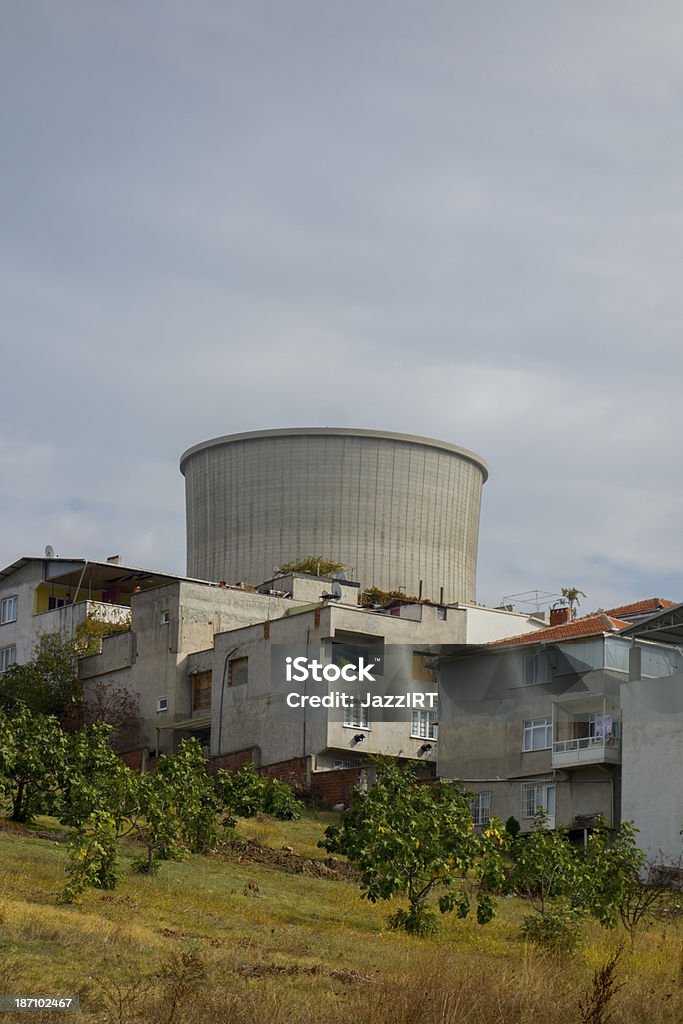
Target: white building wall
x,y
652,764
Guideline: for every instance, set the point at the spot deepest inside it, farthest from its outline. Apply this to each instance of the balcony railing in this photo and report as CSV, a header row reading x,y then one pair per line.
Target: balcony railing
x,y
586,750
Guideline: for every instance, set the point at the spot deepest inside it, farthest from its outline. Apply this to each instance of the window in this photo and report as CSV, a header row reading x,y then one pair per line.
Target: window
x,y
8,610
165,617
345,764
421,670
356,717
422,727
538,734
201,691
8,655
537,795
481,807
55,602
162,703
238,671
536,669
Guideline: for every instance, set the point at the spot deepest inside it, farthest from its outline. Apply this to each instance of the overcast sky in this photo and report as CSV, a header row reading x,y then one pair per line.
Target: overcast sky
x,y
452,219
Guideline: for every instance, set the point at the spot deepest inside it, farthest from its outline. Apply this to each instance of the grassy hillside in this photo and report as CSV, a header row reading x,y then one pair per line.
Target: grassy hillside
x,y
228,938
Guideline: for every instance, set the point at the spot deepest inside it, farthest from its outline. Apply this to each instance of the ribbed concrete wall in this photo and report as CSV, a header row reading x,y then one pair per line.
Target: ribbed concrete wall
x,y
397,508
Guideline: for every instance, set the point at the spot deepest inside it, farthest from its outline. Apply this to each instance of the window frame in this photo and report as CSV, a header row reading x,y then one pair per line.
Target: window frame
x,y
13,600
530,725
7,660
355,711
425,719
201,684
481,809
527,788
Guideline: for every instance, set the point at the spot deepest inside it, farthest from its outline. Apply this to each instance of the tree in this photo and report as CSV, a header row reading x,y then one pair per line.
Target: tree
x,y
175,807
245,793
613,888
314,565
412,840
48,684
32,753
545,871
566,883
118,707
570,599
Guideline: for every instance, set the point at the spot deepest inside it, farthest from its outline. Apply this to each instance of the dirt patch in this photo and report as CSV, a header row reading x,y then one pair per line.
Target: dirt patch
x,y
250,851
344,976
32,833
171,933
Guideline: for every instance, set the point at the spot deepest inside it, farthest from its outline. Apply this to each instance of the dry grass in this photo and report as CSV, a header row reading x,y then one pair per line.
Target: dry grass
x,y
215,941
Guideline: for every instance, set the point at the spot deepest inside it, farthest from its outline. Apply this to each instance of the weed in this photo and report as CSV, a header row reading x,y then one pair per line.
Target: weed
x,y
594,1007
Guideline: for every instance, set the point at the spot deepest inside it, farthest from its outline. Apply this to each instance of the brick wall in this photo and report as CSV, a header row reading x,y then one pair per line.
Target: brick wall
x,y
135,759
335,787
232,762
294,771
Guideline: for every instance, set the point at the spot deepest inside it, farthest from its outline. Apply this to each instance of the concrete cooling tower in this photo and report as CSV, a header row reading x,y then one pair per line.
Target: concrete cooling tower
x,y
400,511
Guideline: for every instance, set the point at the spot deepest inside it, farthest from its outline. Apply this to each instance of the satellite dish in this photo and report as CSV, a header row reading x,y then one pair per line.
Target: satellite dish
x,y
49,551
336,590
340,575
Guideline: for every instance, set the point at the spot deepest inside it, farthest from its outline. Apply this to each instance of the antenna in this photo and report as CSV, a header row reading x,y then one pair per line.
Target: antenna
x,y
49,551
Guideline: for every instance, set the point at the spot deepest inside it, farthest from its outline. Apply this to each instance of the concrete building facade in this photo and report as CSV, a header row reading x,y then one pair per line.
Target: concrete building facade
x,y
652,744
584,720
401,511
536,722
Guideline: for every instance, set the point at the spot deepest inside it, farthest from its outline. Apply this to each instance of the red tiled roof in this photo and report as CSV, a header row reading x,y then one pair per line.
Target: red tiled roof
x,y
650,604
589,625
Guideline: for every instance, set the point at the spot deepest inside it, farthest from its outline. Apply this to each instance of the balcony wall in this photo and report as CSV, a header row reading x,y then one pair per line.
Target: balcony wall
x,y
585,750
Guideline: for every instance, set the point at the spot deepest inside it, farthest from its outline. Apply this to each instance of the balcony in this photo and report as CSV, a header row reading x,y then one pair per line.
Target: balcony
x,y
586,730
67,618
583,750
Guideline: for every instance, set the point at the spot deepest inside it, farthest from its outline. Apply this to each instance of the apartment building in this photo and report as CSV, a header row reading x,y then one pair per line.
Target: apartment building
x,y
550,721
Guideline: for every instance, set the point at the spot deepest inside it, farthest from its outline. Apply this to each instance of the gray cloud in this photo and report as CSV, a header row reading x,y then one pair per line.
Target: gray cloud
x,y
457,221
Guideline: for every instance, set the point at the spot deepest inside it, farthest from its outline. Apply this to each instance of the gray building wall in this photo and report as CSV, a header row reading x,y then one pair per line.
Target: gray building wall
x,y
653,764
396,508
168,624
254,714
485,700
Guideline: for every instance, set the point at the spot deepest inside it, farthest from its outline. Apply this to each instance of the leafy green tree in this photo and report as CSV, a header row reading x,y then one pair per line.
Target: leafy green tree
x,y
413,840
92,777
92,856
545,864
244,793
546,871
48,684
175,807
32,753
613,890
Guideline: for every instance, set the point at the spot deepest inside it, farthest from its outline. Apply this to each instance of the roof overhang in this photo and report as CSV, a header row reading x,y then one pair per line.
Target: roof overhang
x,y
75,572
663,627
